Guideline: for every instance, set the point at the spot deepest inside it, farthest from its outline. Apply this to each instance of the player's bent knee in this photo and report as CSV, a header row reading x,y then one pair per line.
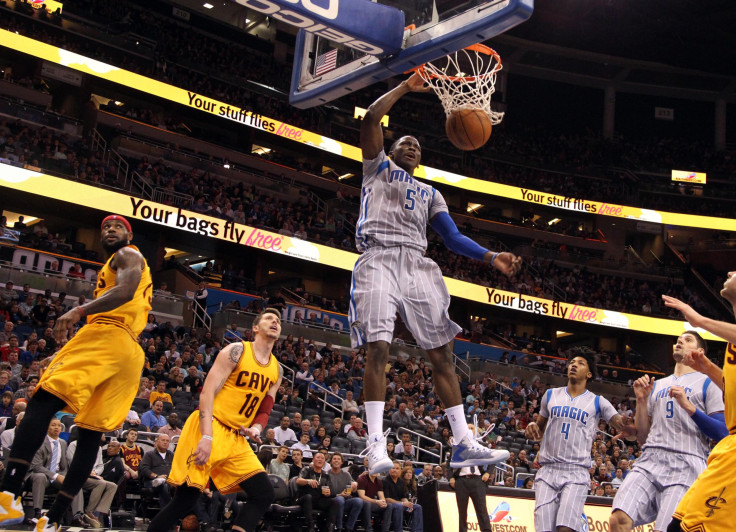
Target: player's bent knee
x,y
619,521
674,525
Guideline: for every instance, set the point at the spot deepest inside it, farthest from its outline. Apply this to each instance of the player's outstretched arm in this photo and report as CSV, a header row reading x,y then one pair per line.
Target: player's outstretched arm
x,y
129,265
371,134
507,263
725,330
224,364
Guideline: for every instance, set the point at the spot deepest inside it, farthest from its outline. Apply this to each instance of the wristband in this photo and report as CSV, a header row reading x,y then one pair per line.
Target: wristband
x,y
82,311
493,258
206,437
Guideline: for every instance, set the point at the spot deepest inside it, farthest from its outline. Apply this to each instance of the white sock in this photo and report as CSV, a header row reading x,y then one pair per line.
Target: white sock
x,y
458,424
374,417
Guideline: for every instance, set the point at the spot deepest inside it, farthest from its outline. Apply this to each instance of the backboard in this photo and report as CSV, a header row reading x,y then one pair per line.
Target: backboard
x,y
325,70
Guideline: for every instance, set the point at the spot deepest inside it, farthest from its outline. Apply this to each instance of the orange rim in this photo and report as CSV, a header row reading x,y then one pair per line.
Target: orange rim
x,y
478,48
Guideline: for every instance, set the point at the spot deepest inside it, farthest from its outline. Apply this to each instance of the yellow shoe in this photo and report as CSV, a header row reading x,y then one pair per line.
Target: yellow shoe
x,y
43,525
11,510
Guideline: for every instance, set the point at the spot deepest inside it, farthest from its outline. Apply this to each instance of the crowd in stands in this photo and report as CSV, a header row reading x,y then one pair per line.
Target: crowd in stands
x,y
184,57
321,413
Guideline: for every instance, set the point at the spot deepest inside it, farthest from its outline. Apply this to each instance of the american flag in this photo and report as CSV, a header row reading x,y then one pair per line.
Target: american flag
x,y
326,62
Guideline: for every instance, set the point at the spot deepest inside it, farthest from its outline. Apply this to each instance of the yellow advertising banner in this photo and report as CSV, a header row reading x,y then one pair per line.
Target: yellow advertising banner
x,y
251,118
208,226
516,514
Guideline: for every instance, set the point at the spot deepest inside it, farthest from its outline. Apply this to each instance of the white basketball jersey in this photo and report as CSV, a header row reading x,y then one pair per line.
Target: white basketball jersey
x,y
571,425
395,208
672,428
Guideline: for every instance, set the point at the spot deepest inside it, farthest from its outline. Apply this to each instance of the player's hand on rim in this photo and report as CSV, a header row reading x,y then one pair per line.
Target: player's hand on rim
x,y
417,84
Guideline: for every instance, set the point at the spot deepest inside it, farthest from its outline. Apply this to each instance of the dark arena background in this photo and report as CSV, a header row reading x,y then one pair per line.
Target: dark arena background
x,y
611,175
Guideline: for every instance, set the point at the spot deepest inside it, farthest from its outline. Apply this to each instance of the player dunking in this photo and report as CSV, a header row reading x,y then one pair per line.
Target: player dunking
x,y
392,275
95,375
710,503
235,402
568,418
675,444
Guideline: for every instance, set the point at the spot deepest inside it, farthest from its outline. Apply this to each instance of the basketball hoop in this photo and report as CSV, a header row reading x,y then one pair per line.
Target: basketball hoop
x,y
465,80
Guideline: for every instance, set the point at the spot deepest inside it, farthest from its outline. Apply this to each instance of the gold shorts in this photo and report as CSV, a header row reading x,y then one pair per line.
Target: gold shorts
x,y
710,503
97,374
231,462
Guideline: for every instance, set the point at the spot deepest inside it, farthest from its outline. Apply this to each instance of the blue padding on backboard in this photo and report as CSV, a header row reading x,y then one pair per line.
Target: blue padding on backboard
x,y
507,14
361,24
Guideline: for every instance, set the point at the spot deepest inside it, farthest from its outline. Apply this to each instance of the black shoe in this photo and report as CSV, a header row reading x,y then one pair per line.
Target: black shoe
x,y
78,521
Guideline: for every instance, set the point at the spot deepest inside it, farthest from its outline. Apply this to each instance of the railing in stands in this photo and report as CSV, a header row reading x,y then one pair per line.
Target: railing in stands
x,y
322,394
461,365
112,158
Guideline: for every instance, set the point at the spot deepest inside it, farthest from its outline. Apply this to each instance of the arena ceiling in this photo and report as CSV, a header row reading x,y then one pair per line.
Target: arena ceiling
x,y
680,48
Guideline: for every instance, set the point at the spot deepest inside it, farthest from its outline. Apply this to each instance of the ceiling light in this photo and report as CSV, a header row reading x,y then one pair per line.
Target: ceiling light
x,y
345,176
207,5
553,221
473,207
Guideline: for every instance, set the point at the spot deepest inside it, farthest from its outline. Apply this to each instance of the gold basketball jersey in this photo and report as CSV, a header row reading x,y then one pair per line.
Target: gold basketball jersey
x,y
237,402
134,313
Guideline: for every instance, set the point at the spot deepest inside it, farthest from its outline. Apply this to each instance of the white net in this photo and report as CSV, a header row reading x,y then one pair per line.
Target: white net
x,y
465,79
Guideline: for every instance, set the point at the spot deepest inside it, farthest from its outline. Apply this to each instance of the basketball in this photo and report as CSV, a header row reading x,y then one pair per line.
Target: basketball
x,y
190,523
468,128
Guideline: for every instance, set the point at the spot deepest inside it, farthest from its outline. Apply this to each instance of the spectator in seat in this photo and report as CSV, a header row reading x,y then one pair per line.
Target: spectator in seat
x,y
278,465
349,404
12,347
335,429
25,393
283,432
4,384
393,489
306,426
155,468
303,445
400,418
296,465
315,492
49,466
232,334
346,494
160,394
132,454
356,430
6,404
8,435
370,491
113,468
101,492
172,426
269,438
426,475
153,418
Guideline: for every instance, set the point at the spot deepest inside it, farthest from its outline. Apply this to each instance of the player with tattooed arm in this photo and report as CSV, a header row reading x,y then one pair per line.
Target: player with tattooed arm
x,y
235,402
